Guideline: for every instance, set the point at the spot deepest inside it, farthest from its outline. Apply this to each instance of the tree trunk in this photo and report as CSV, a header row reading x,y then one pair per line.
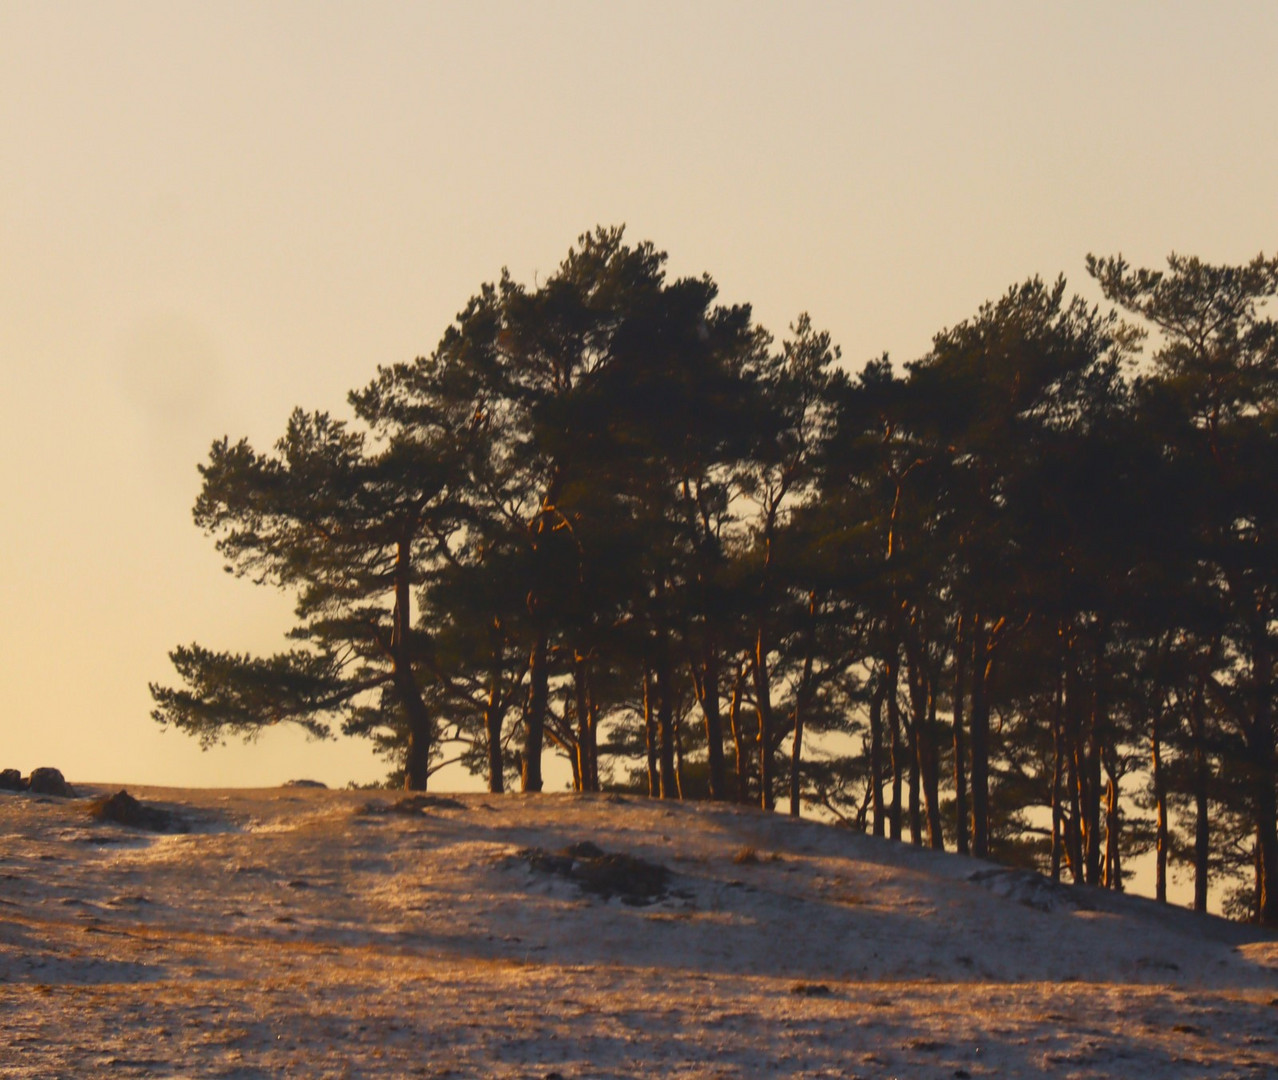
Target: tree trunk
x,y
587,743
1202,825
924,769
801,697
495,711
1260,751
420,727
1075,764
960,772
706,683
494,715
896,750
417,757
796,757
876,752
677,733
1058,766
669,788
1097,724
1160,803
763,708
914,803
980,740
650,735
535,718
738,737
1113,878
930,767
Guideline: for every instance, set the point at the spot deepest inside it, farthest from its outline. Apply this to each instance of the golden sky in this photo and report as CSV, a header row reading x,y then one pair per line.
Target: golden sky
x,y
212,213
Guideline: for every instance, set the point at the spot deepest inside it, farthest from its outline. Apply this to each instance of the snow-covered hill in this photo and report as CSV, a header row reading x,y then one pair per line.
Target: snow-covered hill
x,y
311,933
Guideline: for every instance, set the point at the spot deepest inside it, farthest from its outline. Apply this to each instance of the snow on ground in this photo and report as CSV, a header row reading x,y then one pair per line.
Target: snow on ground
x,y
310,933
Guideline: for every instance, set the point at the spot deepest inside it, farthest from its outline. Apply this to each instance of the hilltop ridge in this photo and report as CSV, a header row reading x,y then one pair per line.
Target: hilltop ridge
x,y
333,933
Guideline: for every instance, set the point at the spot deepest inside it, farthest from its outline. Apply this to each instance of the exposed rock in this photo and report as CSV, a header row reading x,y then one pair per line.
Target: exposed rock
x,y
411,804
123,809
635,881
1031,889
49,781
11,780
305,783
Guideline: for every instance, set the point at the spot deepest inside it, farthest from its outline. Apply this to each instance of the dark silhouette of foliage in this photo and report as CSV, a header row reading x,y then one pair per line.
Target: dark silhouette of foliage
x,y
1017,597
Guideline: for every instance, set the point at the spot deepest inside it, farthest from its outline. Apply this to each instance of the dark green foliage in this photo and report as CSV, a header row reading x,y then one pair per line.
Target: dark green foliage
x,y
1017,598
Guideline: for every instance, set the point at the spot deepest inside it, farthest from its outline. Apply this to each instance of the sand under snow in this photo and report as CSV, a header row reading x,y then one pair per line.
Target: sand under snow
x,y
294,933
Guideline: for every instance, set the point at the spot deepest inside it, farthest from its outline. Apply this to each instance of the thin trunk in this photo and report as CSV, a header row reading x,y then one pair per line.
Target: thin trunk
x,y
1097,725
930,767
1202,825
981,664
650,735
678,749
1160,803
594,745
574,759
923,768
535,719
706,682
897,752
960,772
801,698
1077,771
876,752
1113,860
494,717
669,787
738,737
1058,768
587,744
763,708
1261,752
914,803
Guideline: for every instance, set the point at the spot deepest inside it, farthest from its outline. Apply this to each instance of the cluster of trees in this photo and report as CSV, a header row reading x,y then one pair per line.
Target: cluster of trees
x,y
1018,597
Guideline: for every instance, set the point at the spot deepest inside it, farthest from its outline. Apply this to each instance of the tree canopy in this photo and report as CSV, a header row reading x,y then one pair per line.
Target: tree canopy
x,y
1018,596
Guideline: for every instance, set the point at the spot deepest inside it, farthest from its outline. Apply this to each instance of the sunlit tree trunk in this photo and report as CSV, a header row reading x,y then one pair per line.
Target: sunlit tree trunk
x,y
1113,878
650,735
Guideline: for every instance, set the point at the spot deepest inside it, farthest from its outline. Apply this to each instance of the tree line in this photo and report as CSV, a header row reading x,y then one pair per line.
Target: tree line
x,y
1016,597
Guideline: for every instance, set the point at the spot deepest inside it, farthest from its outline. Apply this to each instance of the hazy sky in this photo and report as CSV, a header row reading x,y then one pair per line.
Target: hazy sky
x,y
212,213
